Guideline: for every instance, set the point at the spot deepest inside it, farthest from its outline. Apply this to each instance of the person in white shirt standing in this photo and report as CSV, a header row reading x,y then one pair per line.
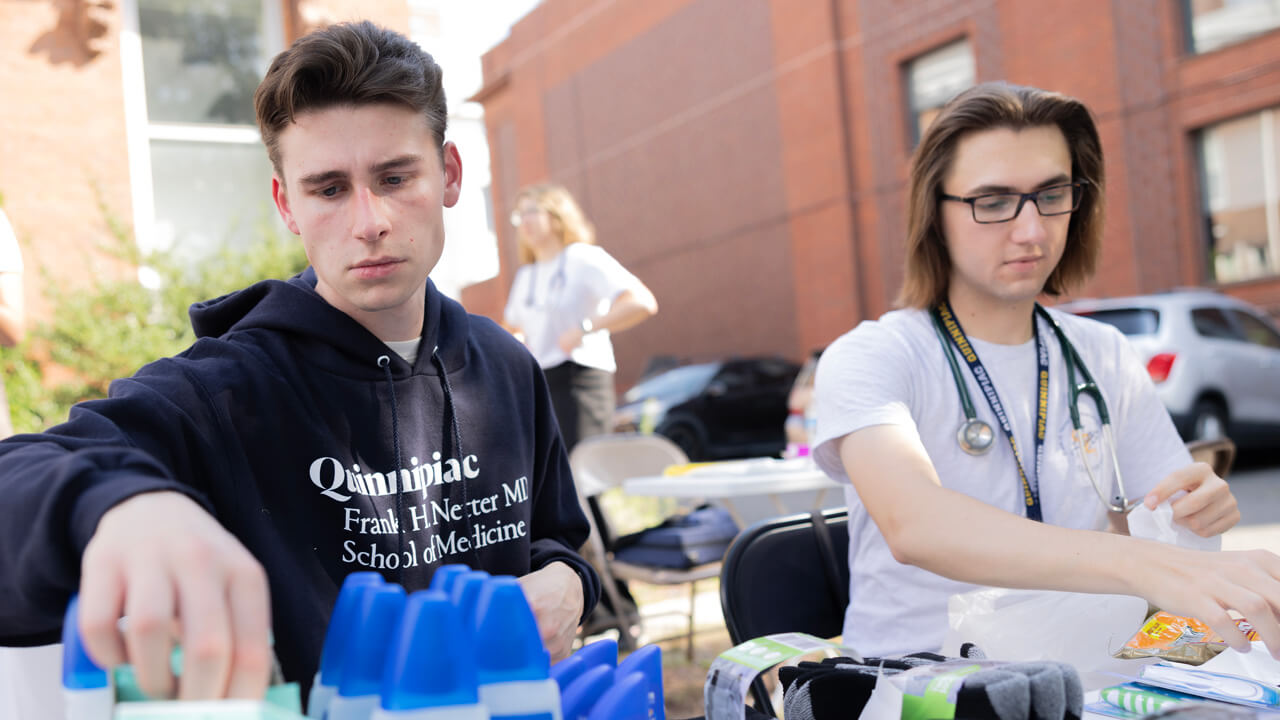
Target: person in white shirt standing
x,y
568,298
12,321
969,460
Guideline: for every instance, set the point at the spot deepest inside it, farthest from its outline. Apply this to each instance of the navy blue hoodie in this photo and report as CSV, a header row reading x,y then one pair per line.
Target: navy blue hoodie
x,y
288,420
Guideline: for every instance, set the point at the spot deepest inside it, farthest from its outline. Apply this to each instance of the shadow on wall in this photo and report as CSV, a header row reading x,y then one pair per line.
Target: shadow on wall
x,y
74,39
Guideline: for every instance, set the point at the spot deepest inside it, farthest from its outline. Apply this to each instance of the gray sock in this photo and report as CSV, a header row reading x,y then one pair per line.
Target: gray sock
x,y
1048,691
994,694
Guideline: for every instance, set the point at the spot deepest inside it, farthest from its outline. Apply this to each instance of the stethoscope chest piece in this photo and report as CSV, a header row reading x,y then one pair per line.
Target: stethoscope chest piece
x,y
975,437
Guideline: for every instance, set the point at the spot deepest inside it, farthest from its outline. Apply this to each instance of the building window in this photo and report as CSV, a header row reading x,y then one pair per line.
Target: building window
x,y
199,172
1240,171
1211,24
932,80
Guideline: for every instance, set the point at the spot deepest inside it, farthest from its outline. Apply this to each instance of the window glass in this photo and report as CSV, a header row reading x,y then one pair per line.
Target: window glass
x,y
1240,172
1213,323
1130,321
933,79
211,195
202,59
1216,23
687,380
1256,331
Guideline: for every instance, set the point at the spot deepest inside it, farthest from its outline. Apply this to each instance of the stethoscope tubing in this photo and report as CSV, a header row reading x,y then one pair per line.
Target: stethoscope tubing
x,y
1119,503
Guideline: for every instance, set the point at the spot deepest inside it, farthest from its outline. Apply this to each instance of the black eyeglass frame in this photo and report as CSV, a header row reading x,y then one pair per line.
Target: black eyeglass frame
x,y
1077,197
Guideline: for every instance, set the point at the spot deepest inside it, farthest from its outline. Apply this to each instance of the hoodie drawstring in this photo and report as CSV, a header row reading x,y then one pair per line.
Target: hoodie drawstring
x,y
455,435
457,440
384,362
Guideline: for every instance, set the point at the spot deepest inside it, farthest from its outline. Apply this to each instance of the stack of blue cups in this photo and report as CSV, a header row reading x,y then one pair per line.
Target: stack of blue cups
x,y
467,648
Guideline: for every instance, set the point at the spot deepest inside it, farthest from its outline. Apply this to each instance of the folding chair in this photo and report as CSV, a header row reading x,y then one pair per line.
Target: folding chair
x,y
787,574
603,462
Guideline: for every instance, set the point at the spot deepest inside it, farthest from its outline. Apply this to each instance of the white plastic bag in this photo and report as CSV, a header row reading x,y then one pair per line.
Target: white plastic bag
x,y
1158,525
1077,628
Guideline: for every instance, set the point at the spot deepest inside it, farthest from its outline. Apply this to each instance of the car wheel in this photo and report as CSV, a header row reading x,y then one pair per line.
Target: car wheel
x,y
1208,421
687,439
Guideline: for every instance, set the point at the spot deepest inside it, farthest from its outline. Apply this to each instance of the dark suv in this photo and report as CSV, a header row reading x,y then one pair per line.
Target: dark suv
x,y
727,409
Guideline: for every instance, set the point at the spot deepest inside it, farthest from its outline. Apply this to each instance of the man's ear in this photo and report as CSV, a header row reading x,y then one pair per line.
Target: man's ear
x,y
452,174
282,204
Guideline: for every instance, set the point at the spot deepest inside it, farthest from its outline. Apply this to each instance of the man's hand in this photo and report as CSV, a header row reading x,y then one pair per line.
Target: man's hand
x,y
166,565
1208,508
555,594
1209,586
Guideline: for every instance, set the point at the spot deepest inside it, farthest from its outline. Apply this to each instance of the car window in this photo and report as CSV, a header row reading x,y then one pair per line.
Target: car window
x,y
686,380
1130,321
1256,331
1213,323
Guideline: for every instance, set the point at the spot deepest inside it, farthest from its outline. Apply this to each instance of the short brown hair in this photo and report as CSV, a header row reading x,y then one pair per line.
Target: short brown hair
x,y
355,63
568,219
983,107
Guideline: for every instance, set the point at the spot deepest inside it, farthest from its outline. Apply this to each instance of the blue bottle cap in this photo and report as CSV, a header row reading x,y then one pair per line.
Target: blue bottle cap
x,y
340,623
431,662
377,617
600,652
628,699
444,576
508,645
584,692
648,662
568,670
79,671
465,596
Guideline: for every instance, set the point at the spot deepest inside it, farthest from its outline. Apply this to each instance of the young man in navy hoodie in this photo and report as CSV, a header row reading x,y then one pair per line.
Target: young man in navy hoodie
x,y
351,418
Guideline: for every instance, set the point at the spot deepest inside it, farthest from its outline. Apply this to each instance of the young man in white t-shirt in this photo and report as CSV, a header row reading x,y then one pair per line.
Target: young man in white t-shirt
x,y
1006,205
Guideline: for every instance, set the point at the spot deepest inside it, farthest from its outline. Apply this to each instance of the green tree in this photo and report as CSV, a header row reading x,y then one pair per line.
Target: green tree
x,y
114,327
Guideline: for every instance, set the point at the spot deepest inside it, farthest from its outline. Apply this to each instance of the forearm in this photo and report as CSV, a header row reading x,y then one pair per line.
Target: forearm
x,y
628,310
959,537
12,326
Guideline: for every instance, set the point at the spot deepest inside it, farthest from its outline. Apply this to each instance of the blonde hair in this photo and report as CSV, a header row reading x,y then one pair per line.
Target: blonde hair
x,y
927,272
567,219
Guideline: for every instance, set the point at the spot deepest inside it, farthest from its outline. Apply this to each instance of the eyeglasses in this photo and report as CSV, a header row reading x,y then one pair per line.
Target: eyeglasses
x,y
518,215
1003,207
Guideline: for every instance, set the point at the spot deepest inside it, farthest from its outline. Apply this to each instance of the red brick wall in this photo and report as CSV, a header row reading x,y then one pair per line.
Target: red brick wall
x,y
748,158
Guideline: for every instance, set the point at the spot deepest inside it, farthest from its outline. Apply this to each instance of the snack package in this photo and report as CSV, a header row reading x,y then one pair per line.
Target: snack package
x,y
1183,639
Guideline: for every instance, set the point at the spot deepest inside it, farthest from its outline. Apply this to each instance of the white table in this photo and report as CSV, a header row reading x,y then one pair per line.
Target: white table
x,y
736,478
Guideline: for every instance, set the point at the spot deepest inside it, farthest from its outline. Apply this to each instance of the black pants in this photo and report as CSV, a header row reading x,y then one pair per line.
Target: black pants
x,y
583,399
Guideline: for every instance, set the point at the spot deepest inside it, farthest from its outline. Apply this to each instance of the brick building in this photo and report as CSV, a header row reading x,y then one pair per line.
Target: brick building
x,y
137,114
748,158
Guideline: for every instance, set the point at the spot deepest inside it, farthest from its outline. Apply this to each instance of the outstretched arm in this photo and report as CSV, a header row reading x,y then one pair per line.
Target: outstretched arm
x,y
954,535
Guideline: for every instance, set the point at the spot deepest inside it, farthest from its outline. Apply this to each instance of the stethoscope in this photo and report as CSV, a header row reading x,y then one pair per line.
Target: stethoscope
x,y
977,437
556,282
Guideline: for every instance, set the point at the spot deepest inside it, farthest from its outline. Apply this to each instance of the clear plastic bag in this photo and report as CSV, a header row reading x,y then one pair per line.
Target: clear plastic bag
x,y
1077,628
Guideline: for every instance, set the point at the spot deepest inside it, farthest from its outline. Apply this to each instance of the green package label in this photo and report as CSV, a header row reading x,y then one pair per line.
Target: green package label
x,y
937,699
761,653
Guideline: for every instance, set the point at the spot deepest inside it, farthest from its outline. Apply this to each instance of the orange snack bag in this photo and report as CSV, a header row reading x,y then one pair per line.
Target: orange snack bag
x,y
1183,639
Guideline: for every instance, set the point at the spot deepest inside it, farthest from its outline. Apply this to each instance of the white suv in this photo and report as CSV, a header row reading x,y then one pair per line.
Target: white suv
x,y
1215,360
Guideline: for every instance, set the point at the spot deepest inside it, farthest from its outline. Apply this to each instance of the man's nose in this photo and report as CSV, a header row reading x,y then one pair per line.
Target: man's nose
x,y
371,221
1028,225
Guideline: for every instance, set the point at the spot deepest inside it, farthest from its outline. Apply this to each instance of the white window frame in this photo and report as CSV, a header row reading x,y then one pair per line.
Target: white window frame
x,y
139,131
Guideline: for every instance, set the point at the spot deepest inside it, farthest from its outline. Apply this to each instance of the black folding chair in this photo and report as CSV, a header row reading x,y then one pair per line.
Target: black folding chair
x,y
787,574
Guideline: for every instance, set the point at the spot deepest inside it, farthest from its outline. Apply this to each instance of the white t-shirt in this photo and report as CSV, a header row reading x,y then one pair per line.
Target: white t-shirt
x,y
894,372
553,296
10,253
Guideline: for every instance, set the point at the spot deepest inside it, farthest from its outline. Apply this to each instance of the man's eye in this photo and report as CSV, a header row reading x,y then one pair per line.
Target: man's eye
x,y
395,180
994,202
329,191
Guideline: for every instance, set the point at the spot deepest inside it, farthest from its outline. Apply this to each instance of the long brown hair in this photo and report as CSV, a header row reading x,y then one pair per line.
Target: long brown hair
x,y
983,107
568,220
